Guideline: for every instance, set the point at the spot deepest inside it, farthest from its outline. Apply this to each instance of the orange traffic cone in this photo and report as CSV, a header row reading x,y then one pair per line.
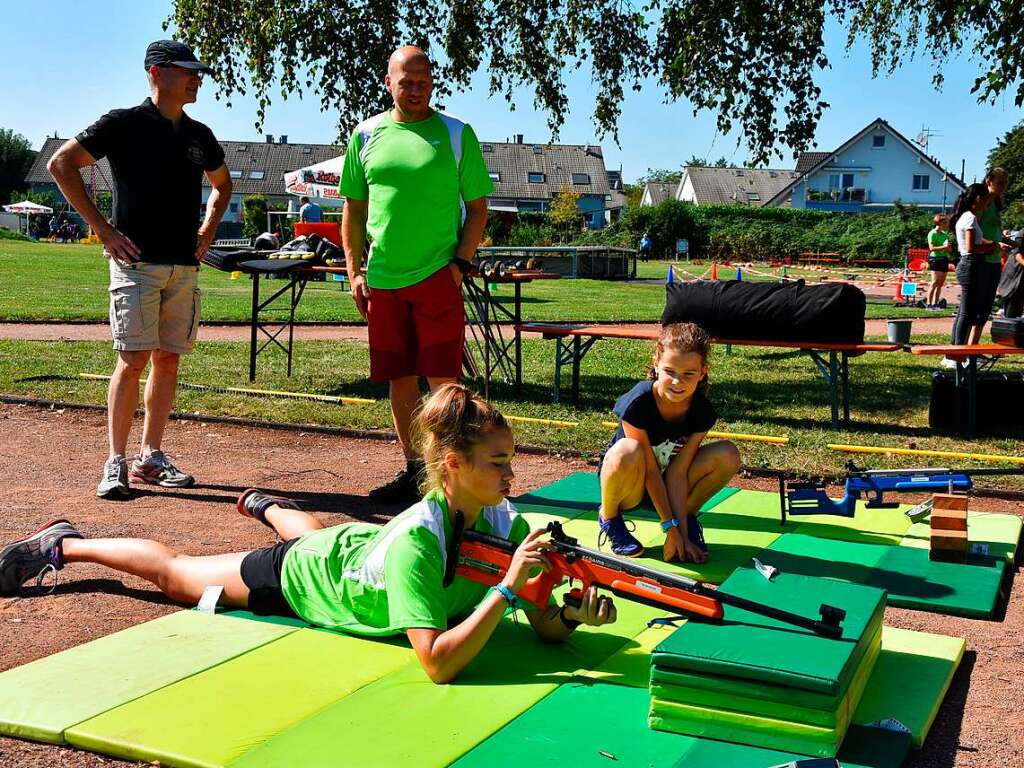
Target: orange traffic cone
x,y
899,288
714,270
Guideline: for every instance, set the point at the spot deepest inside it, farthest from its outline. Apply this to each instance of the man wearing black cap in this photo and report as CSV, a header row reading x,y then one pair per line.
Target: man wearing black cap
x,y
158,156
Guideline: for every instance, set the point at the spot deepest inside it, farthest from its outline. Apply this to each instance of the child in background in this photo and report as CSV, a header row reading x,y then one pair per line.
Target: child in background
x,y
940,251
361,578
656,457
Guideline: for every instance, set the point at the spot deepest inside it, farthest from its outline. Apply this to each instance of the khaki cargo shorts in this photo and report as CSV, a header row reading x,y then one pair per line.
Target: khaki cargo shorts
x,y
154,306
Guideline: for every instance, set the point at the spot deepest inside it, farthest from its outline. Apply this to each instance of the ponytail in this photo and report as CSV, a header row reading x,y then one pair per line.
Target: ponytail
x,y
453,418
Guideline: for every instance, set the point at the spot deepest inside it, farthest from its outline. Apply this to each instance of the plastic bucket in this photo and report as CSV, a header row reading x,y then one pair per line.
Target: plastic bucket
x,y
899,331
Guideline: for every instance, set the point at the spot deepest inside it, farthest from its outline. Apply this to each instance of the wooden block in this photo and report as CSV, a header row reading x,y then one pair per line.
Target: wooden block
x,y
949,540
949,520
950,501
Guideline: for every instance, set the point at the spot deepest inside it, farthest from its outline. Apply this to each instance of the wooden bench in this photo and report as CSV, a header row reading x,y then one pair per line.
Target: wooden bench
x,y
967,375
572,342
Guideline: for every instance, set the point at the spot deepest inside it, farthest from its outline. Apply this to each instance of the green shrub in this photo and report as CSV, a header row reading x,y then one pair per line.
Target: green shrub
x,y
10,234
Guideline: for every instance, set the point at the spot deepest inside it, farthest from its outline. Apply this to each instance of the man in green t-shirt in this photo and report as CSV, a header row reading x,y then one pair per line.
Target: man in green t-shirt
x,y
415,186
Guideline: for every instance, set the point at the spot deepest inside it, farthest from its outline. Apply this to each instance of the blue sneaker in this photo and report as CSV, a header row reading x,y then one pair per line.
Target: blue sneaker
x,y
695,533
624,543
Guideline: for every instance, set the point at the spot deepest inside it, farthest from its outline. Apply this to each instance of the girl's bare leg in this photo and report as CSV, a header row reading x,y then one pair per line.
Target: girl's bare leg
x,y
622,478
712,467
291,523
181,577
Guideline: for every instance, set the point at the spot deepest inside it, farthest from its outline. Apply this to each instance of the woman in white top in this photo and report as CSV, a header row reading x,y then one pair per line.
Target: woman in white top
x,y
977,286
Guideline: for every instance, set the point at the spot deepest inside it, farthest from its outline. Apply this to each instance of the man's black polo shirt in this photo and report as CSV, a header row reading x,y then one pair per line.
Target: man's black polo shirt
x,y
158,175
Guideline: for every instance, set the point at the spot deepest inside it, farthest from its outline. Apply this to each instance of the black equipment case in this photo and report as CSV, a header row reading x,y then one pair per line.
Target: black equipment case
x,y
998,403
1008,331
733,309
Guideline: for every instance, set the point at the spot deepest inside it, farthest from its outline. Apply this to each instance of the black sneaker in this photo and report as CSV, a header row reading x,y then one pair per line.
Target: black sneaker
x,y
35,556
254,503
404,489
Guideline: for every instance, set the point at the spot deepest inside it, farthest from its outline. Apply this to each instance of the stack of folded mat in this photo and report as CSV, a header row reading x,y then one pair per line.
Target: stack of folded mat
x,y
753,680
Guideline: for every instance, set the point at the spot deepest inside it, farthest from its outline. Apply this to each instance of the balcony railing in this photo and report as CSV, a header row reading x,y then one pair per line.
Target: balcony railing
x,y
848,195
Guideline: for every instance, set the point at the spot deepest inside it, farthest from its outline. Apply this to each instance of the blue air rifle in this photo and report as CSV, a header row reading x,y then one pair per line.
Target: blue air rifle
x,y
802,498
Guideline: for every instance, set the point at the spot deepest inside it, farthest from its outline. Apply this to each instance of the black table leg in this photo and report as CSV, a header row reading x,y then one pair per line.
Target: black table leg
x,y
972,394
845,373
486,322
576,355
519,336
254,321
291,326
556,394
833,380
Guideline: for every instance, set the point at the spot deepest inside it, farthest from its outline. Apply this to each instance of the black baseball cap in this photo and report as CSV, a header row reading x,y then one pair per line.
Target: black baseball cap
x,y
163,53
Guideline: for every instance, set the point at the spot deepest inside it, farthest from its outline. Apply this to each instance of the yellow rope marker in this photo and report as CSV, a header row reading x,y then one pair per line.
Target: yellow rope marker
x,y
896,451
548,422
246,391
774,439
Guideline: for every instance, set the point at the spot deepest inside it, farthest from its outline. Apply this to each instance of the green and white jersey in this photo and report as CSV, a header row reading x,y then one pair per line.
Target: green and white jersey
x,y
414,177
371,580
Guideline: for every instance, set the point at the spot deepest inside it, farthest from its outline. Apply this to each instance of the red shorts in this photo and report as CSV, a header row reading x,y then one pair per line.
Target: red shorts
x,y
418,330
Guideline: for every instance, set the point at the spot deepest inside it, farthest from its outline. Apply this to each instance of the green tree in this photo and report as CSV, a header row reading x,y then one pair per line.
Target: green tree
x,y
564,212
698,162
254,215
1009,153
751,63
660,176
16,156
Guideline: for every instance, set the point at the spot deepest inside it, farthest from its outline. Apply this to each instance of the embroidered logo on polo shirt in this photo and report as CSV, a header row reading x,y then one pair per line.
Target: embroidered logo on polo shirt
x,y
195,153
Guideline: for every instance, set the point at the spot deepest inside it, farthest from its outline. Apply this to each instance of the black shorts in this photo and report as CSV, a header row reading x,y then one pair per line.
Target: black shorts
x,y
261,573
938,264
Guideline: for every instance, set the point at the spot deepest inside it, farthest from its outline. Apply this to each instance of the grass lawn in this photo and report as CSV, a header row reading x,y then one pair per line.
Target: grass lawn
x,y
761,391
44,281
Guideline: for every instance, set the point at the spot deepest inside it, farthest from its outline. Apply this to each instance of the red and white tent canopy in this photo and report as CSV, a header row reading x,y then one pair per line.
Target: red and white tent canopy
x,y
27,208
320,180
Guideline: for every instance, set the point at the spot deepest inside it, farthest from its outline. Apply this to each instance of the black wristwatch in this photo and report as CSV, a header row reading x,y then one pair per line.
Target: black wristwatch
x,y
464,266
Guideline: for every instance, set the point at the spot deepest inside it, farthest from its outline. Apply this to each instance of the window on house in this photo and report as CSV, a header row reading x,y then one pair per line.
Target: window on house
x,y
878,142
535,177
235,174
307,150
242,148
256,175
833,181
922,182
581,178
538,149
739,172
233,207
486,147
495,176
753,197
847,180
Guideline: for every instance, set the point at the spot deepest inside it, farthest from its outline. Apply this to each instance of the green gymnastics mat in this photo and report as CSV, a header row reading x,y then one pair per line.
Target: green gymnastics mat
x,y
601,725
992,534
581,492
754,647
436,724
907,574
786,704
218,715
42,699
910,680
631,664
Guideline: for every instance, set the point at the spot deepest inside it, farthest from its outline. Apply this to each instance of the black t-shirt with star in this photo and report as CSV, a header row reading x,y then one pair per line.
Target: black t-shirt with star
x,y
158,174
639,408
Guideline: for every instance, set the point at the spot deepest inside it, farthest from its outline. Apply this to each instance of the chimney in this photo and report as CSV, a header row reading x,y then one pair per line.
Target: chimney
x,y
283,139
519,138
270,138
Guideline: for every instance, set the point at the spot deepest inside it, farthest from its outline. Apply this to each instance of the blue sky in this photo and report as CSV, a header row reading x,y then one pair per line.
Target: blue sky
x,y
72,62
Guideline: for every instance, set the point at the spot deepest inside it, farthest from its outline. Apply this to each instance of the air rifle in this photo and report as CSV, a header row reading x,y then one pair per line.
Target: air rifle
x,y
485,559
873,484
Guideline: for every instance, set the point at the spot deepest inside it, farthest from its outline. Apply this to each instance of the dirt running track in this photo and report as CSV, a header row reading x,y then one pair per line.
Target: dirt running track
x,y
50,461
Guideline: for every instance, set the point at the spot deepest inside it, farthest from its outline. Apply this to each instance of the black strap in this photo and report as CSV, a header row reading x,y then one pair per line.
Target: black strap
x,y
452,561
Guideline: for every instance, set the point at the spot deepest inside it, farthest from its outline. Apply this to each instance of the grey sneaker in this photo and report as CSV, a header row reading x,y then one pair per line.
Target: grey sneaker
x,y
34,556
114,484
158,470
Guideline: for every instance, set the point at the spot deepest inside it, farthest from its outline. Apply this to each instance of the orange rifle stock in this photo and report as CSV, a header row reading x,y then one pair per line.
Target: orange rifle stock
x,y
485,559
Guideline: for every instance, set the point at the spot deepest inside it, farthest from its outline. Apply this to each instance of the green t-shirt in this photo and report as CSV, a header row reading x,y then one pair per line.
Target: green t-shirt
x,y
371,580
407,172
991,229
936,239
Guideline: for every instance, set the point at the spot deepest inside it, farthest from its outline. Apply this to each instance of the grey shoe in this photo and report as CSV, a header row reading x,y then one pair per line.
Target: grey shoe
x,y
34,556
114,484
158,470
